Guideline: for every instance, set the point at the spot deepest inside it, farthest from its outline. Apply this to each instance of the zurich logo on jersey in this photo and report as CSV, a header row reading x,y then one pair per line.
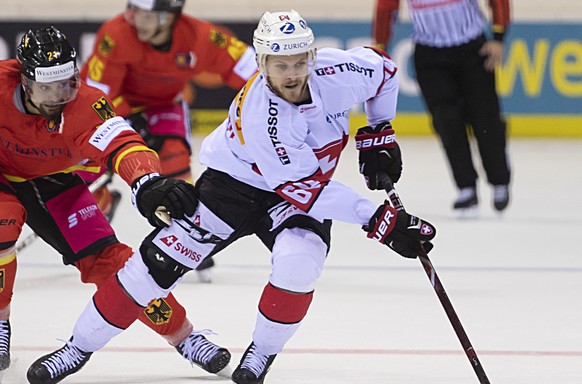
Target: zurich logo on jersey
x,y
287,28
275,47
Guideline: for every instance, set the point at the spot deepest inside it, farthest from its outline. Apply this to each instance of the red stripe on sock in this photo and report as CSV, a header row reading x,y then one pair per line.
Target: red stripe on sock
x,y
284,307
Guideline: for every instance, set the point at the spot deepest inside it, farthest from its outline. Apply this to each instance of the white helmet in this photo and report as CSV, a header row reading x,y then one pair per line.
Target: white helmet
x,y
158,5
282,33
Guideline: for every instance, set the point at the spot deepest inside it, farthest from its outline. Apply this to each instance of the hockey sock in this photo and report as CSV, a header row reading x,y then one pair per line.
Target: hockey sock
x,y
167,317
280,315
114,305
283,306
7,277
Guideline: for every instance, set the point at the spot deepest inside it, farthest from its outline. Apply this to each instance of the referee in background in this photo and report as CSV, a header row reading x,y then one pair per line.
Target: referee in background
x,y
455,69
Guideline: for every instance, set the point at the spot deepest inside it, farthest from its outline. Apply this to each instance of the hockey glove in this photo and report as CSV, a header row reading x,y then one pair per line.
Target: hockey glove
x,y
401,232
139,122
378,153
152,192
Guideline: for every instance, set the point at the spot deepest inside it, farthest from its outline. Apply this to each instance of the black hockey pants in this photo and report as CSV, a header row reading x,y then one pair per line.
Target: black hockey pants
x,y
459,93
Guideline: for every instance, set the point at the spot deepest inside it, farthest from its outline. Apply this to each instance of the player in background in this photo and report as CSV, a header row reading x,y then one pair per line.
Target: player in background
x,y
455,65
143,59
51,124
269,173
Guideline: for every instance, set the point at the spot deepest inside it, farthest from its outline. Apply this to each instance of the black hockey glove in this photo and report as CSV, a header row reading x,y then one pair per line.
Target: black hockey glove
x,y
151,192
378,153
402,232
139,122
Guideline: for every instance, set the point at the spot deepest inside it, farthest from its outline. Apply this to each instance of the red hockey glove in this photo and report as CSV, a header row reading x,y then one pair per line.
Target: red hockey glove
x,y
378,153
400,231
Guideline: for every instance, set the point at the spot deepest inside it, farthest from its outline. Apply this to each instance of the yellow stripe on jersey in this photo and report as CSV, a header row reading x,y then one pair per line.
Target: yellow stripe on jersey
x,y
137,148
239,101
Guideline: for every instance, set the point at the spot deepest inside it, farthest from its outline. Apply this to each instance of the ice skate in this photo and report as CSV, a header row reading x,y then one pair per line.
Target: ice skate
x,y
55,366
500,197
467,204
203,353
5,334
253,366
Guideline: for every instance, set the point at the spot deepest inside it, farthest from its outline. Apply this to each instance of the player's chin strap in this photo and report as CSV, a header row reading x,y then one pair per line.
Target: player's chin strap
x,y
438,288
100,182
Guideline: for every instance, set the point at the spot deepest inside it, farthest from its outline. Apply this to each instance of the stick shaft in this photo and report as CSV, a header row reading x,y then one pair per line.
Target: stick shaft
x,y
440,292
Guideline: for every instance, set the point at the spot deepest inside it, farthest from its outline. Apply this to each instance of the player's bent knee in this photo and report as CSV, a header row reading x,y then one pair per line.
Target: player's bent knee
x,y
12,221
298,258
164,270
143,281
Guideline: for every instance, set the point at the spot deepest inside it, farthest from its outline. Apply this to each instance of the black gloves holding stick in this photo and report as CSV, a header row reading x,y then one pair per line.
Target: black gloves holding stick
x,y
380,162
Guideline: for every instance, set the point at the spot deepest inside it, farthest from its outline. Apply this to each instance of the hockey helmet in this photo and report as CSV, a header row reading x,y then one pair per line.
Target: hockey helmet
x,y
158,5
48,63
282,34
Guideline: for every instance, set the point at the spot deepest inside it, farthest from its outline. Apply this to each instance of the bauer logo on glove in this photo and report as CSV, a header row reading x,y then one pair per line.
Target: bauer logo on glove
x,y
379,153
401,232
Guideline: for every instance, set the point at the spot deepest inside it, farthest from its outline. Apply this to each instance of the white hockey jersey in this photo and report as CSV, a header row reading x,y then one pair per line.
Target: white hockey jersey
x,y
293,150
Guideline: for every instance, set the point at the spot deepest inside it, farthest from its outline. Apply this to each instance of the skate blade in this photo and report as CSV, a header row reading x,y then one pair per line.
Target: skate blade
x,y
470,213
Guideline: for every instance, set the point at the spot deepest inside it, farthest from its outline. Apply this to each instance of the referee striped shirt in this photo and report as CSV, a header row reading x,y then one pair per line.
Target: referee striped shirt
x,y
441,23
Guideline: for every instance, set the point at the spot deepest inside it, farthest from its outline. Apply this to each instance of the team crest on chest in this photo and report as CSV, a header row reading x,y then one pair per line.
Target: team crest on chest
x,y
185,60
52,125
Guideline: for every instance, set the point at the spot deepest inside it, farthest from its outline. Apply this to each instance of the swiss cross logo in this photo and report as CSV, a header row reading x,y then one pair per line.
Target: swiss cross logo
x,y
197,220
426,229
169,240
281,151
329,70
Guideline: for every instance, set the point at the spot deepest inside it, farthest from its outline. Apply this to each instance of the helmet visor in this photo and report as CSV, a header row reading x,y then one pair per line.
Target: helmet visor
x,y
144,18
288,67
53,93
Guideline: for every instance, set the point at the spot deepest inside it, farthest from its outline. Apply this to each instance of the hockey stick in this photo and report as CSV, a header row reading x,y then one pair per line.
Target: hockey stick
x,y
101,181
440,290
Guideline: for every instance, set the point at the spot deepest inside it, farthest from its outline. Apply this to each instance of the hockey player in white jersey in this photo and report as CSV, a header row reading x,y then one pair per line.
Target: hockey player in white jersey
x,y
269,169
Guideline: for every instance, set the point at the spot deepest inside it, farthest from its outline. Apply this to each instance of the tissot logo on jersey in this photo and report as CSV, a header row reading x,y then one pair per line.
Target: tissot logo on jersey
x,y
174,243
344,67
272,129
